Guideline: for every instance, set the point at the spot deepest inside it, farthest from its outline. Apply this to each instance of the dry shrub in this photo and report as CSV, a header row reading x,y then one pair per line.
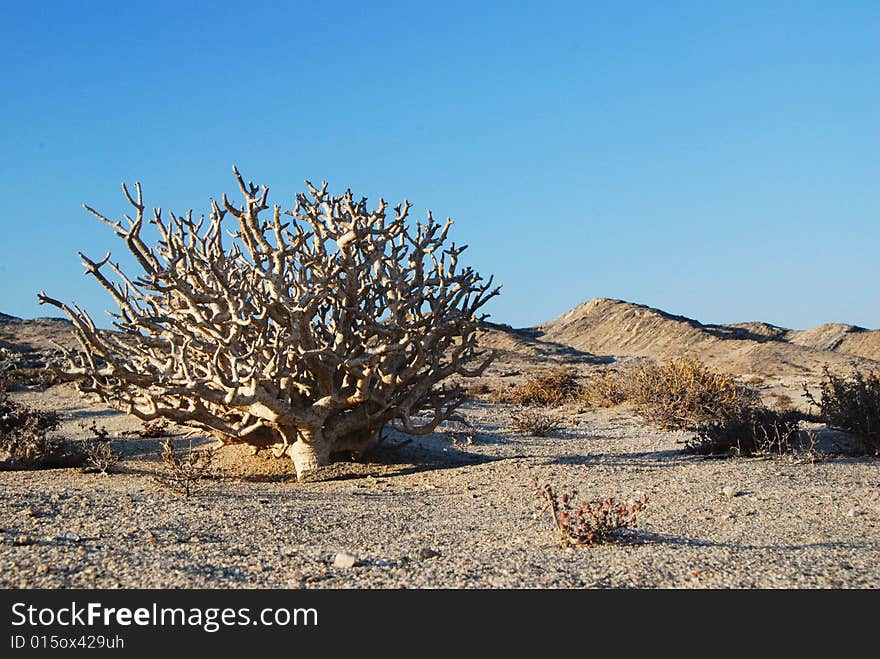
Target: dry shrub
x,y
478,390
851,404
548,389
23,440
98,453
459,432
605,389
727,417
184,474
41,378
683,394
783,403
586,523
753,431
155,428
535,423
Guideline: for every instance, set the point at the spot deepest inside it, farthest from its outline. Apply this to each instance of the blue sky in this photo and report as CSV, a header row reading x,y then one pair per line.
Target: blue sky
x,y
715,159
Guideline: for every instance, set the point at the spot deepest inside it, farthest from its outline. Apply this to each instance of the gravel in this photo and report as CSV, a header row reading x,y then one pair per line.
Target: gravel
x,y
438,513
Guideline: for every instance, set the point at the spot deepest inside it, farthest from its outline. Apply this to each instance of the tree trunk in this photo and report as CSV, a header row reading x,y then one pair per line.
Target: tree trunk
x,y
309,452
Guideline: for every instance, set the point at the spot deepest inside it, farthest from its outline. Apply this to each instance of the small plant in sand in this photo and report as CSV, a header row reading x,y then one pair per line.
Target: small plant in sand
x,y
98,453
459,432
851,404
549,389
155,428
23,439
99,456
783,403
184,474
587,523
534,422
40,378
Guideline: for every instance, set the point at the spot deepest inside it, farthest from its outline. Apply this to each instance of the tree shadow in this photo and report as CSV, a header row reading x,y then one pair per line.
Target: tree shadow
x,y
89,414
391,461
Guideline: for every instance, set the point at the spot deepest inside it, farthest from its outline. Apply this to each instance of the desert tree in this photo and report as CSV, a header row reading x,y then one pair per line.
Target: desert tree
x,y
304,330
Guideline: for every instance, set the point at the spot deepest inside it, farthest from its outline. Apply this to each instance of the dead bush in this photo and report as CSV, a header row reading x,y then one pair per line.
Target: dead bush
x,y
23,440
41,378
551,388
683,394
535,423
155,428
851,404
605,389
184,474
478,390
783,403
98,453
586,523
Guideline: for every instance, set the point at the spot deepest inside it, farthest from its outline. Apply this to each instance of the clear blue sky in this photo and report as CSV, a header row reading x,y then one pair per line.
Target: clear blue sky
x,y
715,159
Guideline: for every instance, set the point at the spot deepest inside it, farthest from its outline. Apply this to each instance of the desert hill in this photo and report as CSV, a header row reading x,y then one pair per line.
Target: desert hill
x,y
618,328
843,339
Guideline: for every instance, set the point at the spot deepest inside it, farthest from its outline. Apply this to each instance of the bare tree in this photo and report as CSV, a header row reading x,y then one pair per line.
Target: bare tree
x,y
305,331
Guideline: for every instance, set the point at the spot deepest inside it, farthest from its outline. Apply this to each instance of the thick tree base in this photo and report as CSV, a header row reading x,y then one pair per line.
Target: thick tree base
x,y
308,457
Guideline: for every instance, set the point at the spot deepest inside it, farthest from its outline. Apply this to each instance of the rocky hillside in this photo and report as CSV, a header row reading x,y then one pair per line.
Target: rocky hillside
x,y
32,343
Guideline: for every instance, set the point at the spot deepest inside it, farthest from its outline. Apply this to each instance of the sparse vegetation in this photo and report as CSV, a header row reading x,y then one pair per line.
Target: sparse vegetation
x,y
551,388
851,404
535,423
783,403
726,417
24,443
604,389
753,431
98,453
155,428
586,523
683,394
184,474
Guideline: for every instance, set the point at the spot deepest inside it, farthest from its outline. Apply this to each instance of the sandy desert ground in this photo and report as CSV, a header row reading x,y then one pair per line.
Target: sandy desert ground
x,y
454,510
